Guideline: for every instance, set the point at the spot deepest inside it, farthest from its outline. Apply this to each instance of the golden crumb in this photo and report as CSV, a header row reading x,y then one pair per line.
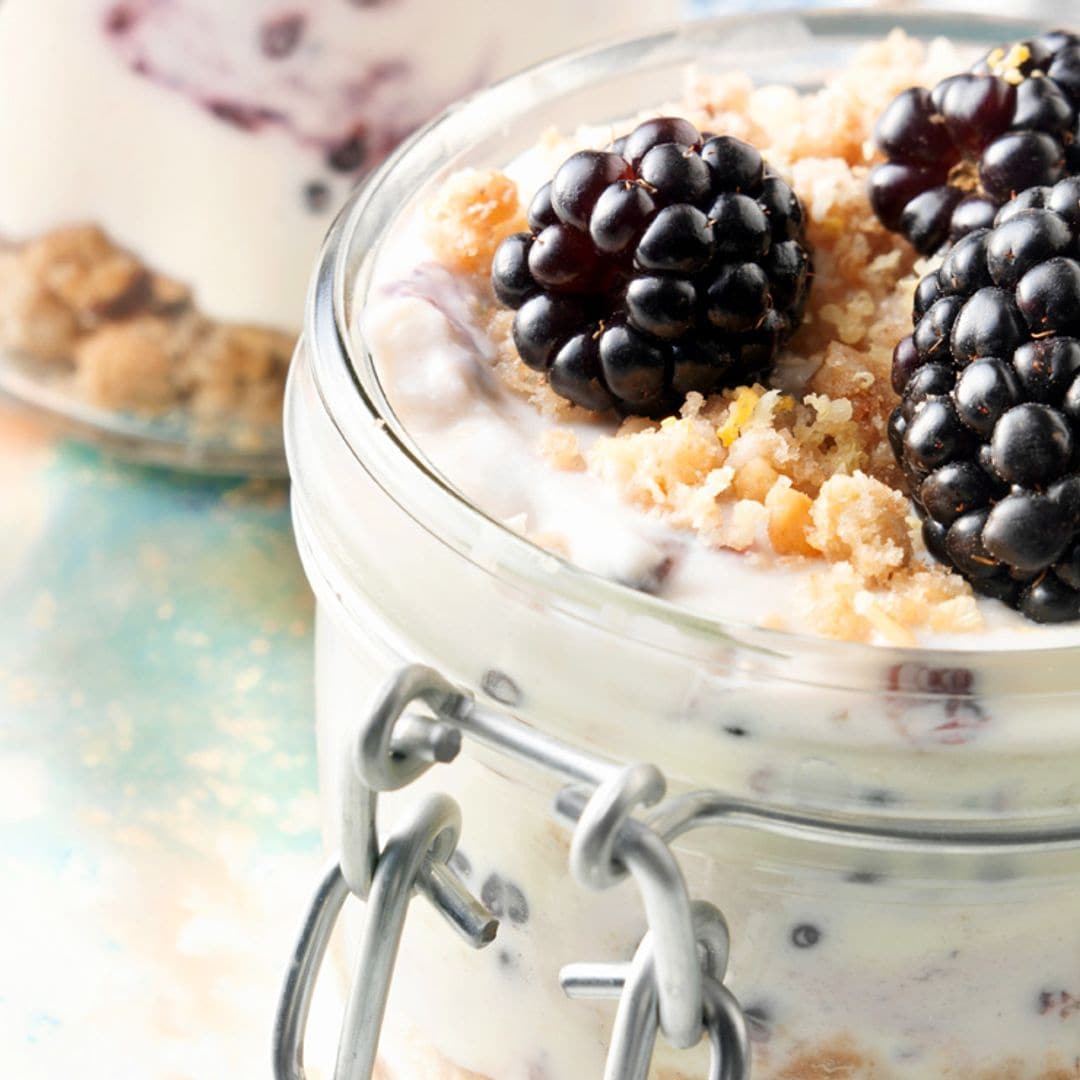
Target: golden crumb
x,y
754,479
83,269
742,527
858,519
473,212
560,447
32,320
129,365
722,103
168,296
63,252
238,370
789,519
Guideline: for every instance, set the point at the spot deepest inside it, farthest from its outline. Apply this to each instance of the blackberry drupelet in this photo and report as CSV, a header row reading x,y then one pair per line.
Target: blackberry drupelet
x,y
988,428
960,151
671,263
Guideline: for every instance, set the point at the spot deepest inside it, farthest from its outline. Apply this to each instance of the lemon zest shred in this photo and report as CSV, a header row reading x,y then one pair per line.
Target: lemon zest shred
x,y
739,412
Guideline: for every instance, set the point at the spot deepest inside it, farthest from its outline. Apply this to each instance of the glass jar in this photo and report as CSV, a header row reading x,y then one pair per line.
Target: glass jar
x,y
896,851
172,168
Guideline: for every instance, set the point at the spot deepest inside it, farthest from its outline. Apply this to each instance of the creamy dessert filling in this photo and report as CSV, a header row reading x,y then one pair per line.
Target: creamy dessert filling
x,y
776,498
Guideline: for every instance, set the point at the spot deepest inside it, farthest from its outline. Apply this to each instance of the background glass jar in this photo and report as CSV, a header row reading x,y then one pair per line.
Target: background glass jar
x,y
853,953
171,169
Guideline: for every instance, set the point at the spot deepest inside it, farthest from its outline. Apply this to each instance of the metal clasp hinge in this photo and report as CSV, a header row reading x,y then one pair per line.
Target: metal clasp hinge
x,y
416,853
668,988
637,1021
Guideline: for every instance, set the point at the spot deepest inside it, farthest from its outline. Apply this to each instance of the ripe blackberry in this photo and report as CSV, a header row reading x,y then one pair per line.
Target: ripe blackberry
x,y
988,427
670,263
960,151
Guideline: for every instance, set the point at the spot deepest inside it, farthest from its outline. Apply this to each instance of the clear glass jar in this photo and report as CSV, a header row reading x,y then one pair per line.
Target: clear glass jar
x,y
172,168
852,954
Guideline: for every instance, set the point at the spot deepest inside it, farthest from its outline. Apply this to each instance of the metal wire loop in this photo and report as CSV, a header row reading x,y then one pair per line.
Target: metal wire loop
x,y
429,836
294,1004
592,850
606,832
637,1019
729,1038
413,860
394,749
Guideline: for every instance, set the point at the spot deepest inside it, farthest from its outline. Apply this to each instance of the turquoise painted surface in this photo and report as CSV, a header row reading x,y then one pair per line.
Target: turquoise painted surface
x,y
158,814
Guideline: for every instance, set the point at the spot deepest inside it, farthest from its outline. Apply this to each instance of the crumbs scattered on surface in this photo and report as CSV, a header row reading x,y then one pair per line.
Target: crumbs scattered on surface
x,y
792,470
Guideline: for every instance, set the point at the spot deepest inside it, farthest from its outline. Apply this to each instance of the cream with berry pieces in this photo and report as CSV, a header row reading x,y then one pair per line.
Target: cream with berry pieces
x,y
181,161
778,499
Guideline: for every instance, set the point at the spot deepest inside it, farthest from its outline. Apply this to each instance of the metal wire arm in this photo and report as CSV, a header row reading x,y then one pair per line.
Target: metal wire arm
x,y
674,984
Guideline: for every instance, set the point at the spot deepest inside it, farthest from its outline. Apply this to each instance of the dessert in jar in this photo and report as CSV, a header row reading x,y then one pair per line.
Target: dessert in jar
x,y
706,401
174,166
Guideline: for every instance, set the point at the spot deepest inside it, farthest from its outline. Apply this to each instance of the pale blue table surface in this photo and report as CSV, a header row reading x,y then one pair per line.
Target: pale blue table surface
x,y
158,811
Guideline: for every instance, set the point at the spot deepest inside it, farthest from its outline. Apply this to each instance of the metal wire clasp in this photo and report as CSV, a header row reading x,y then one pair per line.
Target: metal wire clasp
x,y
638,1020
429,839
674,984
413,860
608,842
391,749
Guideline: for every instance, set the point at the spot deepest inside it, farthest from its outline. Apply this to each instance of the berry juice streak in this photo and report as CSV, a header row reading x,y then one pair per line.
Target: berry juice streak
x,y
299,70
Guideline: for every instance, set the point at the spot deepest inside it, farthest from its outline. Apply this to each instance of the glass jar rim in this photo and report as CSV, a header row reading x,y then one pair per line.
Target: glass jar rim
x,y
350,391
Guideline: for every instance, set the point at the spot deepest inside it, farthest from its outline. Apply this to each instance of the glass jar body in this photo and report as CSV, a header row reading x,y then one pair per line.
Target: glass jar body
x,y
846,956
853,953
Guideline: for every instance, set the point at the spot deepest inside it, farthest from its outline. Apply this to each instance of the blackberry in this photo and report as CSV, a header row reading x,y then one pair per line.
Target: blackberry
x,y
957,153
988,427
672,262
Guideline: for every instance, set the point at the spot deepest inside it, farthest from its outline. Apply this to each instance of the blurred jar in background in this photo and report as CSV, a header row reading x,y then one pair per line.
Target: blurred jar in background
x,y
171,166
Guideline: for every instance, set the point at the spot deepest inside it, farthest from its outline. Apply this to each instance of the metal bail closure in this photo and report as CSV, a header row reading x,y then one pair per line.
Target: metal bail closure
x,y
412,860
391,749
295,1001
637,1021
607,843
